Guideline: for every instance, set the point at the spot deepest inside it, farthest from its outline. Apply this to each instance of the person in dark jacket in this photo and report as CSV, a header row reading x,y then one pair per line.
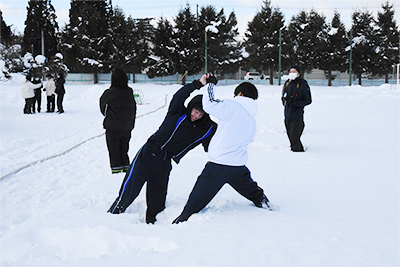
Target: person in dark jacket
x,y
295,96
183,129
38,94
60,91
118,105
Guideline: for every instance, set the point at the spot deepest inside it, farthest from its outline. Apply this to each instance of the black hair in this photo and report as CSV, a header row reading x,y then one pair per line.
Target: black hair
x,y
119,78
247,89
199,107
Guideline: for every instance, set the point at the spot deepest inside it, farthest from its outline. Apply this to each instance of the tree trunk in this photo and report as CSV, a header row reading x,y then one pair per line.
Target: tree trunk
x,y
271,77
359,79
95,78
329,78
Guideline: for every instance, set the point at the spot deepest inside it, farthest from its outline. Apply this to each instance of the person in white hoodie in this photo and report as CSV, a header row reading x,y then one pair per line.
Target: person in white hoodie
x,y
227,152
27,91
50,88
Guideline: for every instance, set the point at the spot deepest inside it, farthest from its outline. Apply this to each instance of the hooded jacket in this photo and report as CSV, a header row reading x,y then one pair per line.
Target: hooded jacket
x,y
28,87
118,106
50,87
177,134
295,96
236,127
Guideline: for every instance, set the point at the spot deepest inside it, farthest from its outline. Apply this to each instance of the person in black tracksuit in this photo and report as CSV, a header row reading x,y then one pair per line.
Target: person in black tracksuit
x,y
295,96
183,129
38,94
60,91
118,105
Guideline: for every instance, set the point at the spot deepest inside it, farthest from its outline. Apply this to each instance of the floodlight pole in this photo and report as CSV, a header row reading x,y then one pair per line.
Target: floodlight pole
x,y
280,54
351,59
205,50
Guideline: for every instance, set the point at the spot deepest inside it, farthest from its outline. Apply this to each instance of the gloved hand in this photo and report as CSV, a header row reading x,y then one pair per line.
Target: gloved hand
x,y
212,79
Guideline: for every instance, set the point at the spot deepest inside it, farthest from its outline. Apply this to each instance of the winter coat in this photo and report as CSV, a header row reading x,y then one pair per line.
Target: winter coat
x,y
178,134
27,89
50,87
295,96
118,105
236,127
60,90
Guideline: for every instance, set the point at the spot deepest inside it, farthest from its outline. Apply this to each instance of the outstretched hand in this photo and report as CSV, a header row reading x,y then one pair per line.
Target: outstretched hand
x,y
208,78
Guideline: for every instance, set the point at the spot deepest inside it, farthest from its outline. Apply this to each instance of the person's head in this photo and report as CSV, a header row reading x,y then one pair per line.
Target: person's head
x,y
246,89
48,76
195,108
197,112
119,78
296,72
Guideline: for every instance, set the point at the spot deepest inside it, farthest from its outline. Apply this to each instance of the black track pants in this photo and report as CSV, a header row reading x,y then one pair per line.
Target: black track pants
x,y
294,130
118,146
150,165
211,180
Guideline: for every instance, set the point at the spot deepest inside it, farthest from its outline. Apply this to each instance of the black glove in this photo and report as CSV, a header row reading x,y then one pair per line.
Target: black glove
x,y
289,101
197,84
212,79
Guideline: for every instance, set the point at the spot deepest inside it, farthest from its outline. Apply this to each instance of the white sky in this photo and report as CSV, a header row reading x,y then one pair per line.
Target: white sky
x,y
14,11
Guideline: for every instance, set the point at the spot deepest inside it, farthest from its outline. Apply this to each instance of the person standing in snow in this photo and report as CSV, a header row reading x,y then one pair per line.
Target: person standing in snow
x,y
118,105
38,94
227,152
295,96
27,91
60,91
183,129
50,88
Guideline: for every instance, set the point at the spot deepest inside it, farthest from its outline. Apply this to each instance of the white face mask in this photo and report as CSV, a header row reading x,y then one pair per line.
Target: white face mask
x,y
292,76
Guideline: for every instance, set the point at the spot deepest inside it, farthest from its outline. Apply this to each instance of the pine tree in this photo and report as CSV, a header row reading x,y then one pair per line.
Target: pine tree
x,y
40,22
122,34
5,36
223,50
363,43
305,32
388,41
142,34
334,54
187,56
86,40
262,41
162,51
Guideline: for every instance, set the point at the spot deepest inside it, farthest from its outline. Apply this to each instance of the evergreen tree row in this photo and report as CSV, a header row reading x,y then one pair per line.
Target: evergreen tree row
x,y
99,37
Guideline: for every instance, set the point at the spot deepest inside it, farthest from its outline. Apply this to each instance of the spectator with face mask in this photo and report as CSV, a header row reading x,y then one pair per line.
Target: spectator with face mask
x,y
295,96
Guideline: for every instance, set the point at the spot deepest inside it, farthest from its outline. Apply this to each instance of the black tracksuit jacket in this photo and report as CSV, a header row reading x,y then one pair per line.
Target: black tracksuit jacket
x,y
178,134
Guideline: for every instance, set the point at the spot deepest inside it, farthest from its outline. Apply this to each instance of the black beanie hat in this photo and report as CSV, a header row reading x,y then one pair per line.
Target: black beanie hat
x,y
296,67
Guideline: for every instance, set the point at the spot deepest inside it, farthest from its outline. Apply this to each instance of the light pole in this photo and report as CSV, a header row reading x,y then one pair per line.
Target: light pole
x,y
205,50
351,59
280,54
211,28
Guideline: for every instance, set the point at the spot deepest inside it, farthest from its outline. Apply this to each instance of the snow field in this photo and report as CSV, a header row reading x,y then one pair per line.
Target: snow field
x,y
339,201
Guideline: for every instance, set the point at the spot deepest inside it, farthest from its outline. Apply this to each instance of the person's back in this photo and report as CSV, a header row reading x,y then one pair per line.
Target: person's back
x,y
236,128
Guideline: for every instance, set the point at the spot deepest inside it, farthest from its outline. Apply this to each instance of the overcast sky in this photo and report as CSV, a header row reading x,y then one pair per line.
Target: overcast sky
x,y
14,11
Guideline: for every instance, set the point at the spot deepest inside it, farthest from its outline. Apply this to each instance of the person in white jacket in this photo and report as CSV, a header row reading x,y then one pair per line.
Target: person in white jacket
x,y
227,152
27,91
50,88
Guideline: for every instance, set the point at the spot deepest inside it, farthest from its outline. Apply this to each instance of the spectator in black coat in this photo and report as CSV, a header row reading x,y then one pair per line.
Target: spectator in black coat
x,y
60,91
38,93
118,106
183,129
295,96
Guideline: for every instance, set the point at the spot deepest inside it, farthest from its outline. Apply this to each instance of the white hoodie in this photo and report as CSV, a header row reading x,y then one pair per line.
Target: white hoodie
x,y
27,88
236,127
50,87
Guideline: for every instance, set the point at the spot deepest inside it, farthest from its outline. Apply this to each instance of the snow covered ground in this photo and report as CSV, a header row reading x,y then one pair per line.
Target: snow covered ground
x,y
339,201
